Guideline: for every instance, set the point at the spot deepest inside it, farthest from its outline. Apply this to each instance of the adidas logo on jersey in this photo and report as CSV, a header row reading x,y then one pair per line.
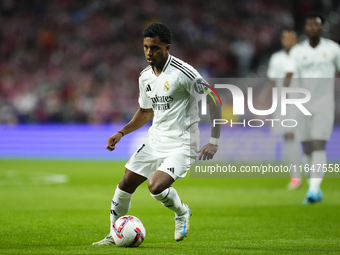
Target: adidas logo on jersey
x,y
148,88
171,169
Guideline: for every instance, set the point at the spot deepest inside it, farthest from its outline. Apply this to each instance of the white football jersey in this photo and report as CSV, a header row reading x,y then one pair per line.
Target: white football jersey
x,y
174,100
315,69
277,72
277,67
319,62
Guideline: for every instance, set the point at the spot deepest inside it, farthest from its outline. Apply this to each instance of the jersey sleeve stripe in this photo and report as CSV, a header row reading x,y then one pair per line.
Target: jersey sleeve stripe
x,y
145,69
167,64
191,77
186,68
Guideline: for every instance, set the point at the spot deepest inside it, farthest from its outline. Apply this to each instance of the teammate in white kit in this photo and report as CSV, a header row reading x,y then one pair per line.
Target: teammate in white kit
x,y
169,92
314,63
276,74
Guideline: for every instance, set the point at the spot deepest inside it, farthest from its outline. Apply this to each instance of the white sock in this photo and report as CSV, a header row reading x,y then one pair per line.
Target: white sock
x,y
318,157
120,205
306,160
170,199
293,157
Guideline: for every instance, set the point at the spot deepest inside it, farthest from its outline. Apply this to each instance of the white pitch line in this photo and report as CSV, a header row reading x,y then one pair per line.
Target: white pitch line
x,y
21,178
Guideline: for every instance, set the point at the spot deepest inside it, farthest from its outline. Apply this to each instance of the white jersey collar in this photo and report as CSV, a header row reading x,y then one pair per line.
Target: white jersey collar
x,y
167,63
322,40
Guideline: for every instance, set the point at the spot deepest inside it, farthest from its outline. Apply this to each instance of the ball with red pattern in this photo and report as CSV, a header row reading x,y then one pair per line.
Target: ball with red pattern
x,y
128,231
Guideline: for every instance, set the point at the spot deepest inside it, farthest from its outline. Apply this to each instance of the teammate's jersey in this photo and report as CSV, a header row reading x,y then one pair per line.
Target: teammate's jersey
x,y
315,69
318,62
173,98
277,67
277,72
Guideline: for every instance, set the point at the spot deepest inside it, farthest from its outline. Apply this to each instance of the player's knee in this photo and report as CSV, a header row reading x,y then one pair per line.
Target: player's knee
x,y
307,148
289,136
308,151
319,145
155,187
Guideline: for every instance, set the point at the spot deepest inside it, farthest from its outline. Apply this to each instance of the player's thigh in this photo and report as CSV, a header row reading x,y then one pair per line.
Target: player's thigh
x,y
130,181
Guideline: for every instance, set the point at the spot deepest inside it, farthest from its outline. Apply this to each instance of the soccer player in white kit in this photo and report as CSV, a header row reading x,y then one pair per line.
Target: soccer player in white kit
x,y
169,94
314,63
276,74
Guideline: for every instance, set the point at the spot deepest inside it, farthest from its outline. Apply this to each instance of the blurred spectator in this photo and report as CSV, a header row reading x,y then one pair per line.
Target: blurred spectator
x,y
79,60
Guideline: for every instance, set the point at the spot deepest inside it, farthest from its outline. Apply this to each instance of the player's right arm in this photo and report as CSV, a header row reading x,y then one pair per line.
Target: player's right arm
x,y
291,67
141,117
272,73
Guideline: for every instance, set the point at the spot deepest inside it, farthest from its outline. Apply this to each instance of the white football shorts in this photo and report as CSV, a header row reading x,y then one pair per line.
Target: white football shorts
x,y
318,126
278,128
175,162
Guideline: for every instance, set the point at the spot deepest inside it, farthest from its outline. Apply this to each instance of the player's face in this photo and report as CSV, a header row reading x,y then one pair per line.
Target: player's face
x,y
313,28
156,52
288,39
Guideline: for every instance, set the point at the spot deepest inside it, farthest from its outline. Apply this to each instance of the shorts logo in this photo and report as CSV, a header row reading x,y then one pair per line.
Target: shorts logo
x,y
166,86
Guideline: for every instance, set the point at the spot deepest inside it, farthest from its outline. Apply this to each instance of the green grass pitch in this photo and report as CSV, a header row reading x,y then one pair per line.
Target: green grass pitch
x,y
40,213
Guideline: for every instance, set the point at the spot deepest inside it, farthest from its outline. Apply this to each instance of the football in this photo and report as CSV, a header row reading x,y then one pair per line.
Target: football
x,y
128,231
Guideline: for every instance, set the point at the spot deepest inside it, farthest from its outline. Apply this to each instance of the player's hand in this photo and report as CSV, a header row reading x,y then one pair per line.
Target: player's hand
x,y
112,140
208,151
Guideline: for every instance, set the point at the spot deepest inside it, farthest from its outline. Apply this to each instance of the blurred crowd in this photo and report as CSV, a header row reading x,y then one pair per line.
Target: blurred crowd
x,y
78,61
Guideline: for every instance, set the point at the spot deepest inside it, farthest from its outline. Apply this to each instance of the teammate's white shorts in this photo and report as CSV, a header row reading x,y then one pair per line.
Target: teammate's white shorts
x,y
175,162
278,128
318,126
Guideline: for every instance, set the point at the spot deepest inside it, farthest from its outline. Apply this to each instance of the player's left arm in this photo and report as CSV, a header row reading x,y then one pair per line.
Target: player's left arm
x,y
287,79
337,58
208,151
290,66
265,92
272,73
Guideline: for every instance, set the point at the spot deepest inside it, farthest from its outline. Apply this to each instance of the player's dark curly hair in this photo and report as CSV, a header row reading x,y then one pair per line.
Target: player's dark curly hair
x,y
315,14
158,29
289,29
